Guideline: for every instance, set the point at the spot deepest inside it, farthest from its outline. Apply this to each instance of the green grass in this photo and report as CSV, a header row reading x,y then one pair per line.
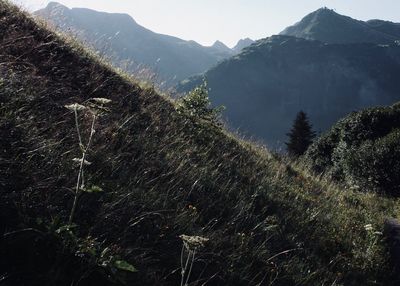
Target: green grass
x,y
163,175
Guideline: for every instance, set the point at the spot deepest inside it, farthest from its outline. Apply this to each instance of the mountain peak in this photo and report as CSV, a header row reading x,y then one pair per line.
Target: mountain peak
x,y
220,45
325,11
324,14
327,26
242,43
55,5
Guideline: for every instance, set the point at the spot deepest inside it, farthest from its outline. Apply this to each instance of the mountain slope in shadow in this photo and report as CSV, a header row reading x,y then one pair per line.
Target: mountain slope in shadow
x,y
265,85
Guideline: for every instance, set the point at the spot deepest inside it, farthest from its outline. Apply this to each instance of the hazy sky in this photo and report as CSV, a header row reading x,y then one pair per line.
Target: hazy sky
x,y
227,20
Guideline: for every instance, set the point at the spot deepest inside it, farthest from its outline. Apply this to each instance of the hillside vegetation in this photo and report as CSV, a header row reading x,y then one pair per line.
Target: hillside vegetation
x,y
164,174
362,150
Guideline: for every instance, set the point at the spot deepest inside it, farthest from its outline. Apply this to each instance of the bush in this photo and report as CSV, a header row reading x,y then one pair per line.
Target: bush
x,y
361,150
375,164
320,153
196,104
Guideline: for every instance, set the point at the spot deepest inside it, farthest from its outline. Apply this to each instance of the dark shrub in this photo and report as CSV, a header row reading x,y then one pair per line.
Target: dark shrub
x,y
375,164
361,150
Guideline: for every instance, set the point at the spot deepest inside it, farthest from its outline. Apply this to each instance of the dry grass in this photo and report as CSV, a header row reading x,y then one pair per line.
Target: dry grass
x,y
163,175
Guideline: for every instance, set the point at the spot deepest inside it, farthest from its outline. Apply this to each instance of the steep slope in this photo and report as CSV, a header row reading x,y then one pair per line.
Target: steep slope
x,y
123,40
386,27
361,150
327,26
163,174
241,44
269,82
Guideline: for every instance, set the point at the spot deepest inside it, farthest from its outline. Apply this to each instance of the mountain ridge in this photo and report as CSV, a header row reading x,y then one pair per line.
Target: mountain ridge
x,y
265,85
121,38
328,26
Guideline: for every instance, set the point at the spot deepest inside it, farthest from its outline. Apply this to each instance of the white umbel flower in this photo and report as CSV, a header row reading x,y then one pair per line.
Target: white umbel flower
x,y
102,100
368,227
193,242
75,107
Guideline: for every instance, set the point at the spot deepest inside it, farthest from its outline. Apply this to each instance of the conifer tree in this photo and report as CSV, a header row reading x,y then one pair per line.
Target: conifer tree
x,y
300,136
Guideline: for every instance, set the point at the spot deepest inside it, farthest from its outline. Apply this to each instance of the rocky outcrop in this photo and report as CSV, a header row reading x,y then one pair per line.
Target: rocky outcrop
x,y
392,234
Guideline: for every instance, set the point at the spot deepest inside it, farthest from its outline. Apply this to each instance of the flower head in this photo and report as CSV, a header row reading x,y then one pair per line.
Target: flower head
x,y
101,100
75,107
368,227
193,242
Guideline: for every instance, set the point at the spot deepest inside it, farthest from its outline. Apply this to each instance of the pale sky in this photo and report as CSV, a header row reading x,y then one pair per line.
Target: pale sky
x,y
206,21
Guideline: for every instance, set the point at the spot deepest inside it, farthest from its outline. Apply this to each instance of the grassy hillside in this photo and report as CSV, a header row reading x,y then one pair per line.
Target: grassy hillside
x,y
362,150
163,174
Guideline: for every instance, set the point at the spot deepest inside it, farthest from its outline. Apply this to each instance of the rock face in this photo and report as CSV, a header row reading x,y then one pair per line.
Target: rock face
x,y
327,26
392,234
265,85
128,44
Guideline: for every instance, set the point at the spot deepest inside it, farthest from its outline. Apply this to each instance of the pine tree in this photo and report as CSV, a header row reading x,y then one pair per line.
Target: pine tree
x,y
300,136
197,104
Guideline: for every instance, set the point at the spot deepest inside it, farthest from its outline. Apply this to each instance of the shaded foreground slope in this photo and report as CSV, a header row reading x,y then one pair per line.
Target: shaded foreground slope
x,y
163,175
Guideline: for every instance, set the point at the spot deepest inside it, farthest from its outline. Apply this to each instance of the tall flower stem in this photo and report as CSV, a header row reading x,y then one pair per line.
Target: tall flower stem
x,y
80,179
77,129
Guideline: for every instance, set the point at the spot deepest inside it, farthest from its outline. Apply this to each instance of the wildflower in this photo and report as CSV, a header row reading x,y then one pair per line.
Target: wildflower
x,y
101,100
75,107
193,242
368,227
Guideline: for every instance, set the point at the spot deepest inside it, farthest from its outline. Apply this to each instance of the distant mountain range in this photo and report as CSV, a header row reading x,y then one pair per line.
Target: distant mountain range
x,y
265,85
327,65
132,46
